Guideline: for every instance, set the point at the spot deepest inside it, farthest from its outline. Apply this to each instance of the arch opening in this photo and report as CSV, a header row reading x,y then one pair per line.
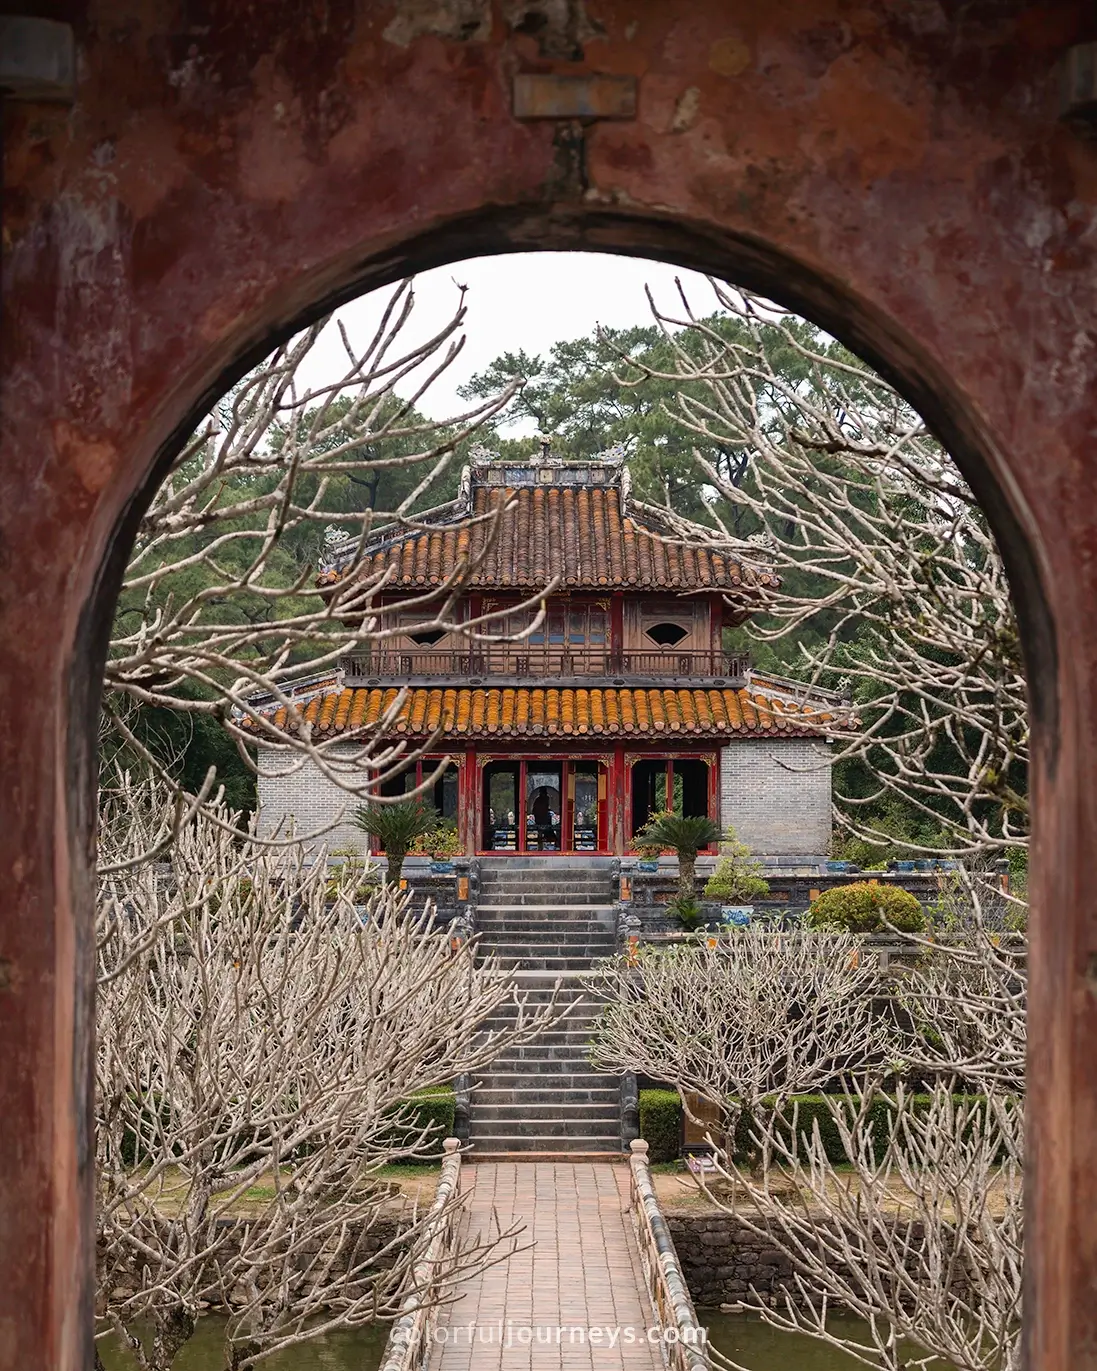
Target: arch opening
x,y
547,834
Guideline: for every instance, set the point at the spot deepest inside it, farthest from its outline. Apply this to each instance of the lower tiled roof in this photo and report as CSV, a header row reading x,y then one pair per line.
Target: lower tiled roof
x,y
532,712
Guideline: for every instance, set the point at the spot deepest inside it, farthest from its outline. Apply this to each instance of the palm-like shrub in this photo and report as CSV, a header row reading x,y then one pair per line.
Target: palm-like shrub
x,y
396,827
687,837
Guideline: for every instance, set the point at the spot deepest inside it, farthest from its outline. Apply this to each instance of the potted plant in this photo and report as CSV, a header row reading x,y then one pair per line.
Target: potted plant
x,y
441,844
649,854
737,882
396,828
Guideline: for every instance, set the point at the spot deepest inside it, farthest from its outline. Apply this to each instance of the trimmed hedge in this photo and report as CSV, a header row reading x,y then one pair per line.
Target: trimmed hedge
x,y
661,1124
865,907
434,1107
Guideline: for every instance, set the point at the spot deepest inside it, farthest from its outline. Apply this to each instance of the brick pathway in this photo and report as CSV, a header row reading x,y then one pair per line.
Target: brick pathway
x,y
580,1270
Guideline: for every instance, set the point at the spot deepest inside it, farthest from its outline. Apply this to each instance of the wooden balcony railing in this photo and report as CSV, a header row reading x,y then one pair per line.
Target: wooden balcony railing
x,y
546,665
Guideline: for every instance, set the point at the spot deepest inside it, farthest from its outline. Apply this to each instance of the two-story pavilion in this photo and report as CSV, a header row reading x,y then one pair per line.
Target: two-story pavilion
x,y
621,702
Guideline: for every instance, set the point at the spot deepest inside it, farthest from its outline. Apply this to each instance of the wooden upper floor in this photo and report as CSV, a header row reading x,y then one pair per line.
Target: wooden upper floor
x,y
619,639
626,599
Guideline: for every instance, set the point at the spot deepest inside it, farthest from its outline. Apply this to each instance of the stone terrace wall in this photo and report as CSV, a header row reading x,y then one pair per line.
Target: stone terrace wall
x,y
790,892
721,1259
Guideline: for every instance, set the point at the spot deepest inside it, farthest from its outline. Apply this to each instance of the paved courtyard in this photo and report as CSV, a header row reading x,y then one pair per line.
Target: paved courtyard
x,y
573,1297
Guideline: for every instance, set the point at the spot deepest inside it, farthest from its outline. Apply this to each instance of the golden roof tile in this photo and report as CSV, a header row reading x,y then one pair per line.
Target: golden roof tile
x,y
526,712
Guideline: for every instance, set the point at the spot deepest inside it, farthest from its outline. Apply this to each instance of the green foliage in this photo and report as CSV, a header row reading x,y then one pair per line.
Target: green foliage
x,y
810,1110
686,909
186,746
681,835
396,827
440,841
350,874
865,907
433,1108
738,878
661,1124
684,836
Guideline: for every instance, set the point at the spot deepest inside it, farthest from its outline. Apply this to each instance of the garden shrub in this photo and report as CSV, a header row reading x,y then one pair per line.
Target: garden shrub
x,y
811,1109
434,1107
866,907
738,877
661,1124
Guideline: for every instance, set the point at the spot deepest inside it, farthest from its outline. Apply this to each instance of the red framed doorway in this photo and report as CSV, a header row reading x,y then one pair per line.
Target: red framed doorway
x,y
656,770
571,795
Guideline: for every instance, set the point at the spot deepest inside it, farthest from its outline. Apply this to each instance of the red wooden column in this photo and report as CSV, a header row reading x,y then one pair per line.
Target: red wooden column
x,y
470,803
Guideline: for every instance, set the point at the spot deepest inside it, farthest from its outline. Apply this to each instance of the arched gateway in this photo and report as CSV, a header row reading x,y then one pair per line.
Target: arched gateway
x,y
898,170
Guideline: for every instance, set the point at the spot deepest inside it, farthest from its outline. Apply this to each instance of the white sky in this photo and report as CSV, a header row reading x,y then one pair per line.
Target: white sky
x,y
524,301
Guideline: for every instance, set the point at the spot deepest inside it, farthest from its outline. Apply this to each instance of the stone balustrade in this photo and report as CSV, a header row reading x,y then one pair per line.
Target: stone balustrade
x,y
684,1338
410,1341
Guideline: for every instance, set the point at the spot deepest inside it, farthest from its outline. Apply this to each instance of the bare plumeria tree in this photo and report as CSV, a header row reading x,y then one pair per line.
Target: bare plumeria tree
x,y
262,1027
878,538
223,607
742,1022
918,1229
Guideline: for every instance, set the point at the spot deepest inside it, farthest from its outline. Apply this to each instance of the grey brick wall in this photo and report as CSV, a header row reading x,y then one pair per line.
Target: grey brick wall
x,y
308,798
775,793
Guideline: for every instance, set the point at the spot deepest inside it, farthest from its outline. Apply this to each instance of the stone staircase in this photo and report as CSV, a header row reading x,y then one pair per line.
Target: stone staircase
x,y
547,921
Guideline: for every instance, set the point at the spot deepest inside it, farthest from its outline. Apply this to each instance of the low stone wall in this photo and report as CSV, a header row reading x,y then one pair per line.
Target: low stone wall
x,y
724,1263
450,892
409,1346
666,1284
722,1259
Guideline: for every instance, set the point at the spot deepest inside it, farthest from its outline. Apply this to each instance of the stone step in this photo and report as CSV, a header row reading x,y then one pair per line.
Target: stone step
x,y
575,898
557,1077
553,901
574,1011
573,1128
538,880
514,1073
493,1149
597,934
509,953
571,1028
522,1119
546,939
514,962
514,928
542,1098
543,1056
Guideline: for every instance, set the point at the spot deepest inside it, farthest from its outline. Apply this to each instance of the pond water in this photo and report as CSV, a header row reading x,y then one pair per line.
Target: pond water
x,y
743,1337
357,1349
757,1346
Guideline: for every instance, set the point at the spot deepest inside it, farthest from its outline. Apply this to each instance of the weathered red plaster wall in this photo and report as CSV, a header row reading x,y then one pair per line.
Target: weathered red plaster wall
x,y
896,166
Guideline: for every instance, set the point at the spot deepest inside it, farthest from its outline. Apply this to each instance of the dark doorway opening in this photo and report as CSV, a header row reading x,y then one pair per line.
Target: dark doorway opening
x,y
691,793
661,783
544,807
501,806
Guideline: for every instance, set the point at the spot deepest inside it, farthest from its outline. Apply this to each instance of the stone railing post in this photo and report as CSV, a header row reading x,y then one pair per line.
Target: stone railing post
x,y
630,1110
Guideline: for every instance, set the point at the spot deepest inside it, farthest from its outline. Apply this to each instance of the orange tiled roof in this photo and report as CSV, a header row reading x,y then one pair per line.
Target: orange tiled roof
x,y
532,712
582,533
